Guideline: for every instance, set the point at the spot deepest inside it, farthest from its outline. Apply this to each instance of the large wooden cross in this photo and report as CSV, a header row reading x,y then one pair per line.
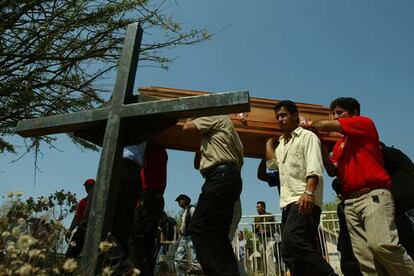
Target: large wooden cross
x,y
125,121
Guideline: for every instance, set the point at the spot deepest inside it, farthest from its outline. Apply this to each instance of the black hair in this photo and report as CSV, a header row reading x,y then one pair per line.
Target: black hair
x,y
349,104
183,197
261,203
289,105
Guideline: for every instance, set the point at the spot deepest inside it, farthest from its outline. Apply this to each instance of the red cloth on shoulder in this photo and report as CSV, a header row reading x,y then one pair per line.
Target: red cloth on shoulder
x,y
358,156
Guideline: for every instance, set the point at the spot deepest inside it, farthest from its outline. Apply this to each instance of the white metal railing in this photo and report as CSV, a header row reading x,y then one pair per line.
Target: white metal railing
x,y
262,246
261,243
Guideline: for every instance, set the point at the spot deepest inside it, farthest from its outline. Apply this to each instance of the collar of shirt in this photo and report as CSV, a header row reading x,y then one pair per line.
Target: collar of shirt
x,y
294,133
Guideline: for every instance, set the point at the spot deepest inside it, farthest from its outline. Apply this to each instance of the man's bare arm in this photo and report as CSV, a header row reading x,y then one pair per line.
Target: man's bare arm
x,y
270,149
306,201
326,125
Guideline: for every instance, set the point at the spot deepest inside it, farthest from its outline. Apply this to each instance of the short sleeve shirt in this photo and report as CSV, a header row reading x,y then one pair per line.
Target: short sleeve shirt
x,y
80,209
358,156
296,160
220,142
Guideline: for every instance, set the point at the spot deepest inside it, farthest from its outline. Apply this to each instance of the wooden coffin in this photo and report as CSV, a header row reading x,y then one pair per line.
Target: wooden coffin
x,y
253,129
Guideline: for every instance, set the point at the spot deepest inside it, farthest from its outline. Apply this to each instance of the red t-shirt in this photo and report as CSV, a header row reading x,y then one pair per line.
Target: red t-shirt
x,y
80,209
154,172
358,156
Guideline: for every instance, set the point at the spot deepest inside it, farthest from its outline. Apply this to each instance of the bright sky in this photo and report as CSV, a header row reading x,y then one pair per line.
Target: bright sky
x,y
306,51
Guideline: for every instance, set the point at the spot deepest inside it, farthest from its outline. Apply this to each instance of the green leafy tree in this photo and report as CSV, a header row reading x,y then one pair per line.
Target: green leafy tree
x,y
54,54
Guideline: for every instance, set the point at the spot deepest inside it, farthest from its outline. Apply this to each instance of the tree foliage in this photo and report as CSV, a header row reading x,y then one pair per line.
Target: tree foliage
x,y
54,54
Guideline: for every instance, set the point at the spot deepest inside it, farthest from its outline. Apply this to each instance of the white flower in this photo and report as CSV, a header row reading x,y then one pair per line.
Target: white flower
x,y
26,269
70,265
33,253
5,234
21,221
16,263
10,249
41,256
105,246
44,200
25,242
136,272
15,231
107,271
5,271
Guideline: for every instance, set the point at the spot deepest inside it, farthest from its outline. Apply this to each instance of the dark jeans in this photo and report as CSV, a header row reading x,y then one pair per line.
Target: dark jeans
x,y
210,224
146,219
127,197
78,239
299,243
406,233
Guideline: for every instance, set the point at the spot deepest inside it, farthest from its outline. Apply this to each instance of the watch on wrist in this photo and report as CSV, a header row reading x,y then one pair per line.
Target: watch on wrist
x,y
309,193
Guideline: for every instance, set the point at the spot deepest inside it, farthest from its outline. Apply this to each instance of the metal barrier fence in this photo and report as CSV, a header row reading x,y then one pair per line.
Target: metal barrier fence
x,y
258,251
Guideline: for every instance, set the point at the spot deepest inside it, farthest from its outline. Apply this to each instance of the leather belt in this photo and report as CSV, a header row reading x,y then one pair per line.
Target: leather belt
x,y
219,167
358,193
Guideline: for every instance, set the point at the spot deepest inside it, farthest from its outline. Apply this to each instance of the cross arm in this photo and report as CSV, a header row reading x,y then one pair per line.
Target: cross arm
x,y
62,123
194,106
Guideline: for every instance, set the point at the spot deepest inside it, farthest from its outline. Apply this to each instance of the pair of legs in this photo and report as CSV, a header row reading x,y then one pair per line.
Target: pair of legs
x,y
374,237
210,224
142,249
299,243
185,257
127,196
76,243
349,263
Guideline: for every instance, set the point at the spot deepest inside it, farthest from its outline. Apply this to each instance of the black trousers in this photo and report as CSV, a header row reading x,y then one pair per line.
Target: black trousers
x,y
146,218
79,239
299,243
130,186
210,224
405,234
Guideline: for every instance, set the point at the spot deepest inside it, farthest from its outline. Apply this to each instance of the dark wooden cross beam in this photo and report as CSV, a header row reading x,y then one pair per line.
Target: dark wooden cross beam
x,y
123,123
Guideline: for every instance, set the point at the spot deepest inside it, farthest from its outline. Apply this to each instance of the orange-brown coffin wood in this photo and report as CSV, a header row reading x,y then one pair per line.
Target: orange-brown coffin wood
x,y
259,124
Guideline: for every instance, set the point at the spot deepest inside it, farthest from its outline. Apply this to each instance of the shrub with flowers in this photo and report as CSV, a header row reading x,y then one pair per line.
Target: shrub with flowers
x,y
32,240
33,235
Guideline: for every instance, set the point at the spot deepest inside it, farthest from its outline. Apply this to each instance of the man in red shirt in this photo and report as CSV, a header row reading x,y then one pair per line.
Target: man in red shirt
x,y
79,222
358,162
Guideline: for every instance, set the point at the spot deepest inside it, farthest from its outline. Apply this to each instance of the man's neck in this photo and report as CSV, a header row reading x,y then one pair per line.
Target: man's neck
x,y
288,133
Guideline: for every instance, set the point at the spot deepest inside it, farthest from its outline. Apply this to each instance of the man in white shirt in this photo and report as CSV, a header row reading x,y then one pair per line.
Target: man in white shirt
x,y
298,159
